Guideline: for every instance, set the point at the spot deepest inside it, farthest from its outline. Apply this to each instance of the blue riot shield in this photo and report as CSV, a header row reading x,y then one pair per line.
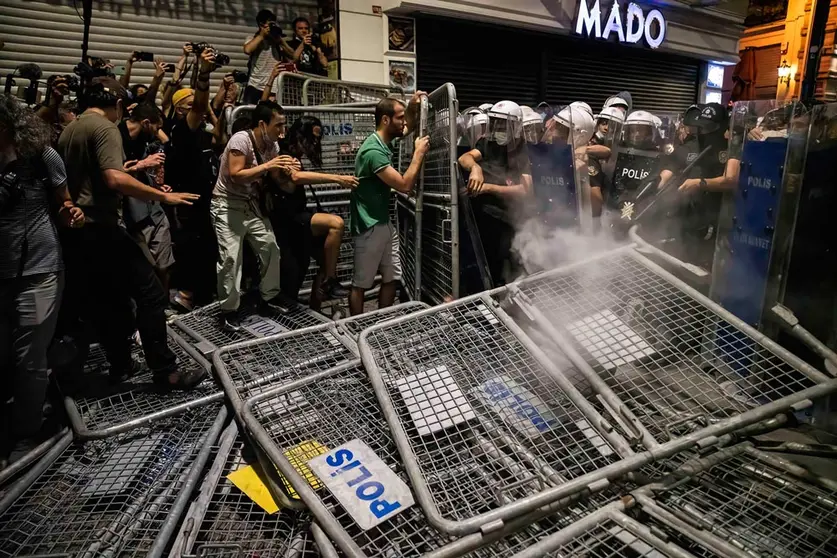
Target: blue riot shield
x,y
557,202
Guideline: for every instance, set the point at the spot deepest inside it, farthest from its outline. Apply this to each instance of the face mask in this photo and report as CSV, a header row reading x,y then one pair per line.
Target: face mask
x,y
265,136
600,135
501,138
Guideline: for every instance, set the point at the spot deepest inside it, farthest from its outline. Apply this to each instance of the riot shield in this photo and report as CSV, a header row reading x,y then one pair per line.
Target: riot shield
x,y
766,153
637,157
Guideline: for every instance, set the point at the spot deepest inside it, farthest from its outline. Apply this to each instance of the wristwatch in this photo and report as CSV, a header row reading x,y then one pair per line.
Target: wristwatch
x,y
703,184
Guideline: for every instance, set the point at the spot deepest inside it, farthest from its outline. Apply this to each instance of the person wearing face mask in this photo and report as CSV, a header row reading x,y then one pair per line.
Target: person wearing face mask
x,y
192,166
500,180
113,270
146,220
250,159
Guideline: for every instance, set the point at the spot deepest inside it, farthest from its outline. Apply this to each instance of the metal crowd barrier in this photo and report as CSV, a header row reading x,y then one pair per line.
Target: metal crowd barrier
x,y
514,432
663,359
98,408
408,213
202,327
121,496
247,369
288,88
222,520
736,502
324,91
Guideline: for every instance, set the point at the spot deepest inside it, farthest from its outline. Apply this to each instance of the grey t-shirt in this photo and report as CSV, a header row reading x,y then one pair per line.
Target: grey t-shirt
x,y
225,187
262,64
27,228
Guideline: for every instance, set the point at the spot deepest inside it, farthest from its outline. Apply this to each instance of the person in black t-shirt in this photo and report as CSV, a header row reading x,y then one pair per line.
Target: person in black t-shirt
x,y
192,166
500,178
303,233
307,55
146,220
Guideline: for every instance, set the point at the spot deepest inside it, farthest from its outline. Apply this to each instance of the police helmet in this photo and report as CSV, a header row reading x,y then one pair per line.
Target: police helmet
x,y
532,125
617,101
642,130
505,122
583,106
579,121
485,107
612,114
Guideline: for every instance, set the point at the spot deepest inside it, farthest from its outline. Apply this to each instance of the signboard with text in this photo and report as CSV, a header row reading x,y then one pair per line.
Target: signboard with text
x,y
628,24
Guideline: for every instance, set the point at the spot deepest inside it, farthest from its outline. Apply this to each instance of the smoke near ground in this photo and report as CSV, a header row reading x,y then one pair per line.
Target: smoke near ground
x,y
541,247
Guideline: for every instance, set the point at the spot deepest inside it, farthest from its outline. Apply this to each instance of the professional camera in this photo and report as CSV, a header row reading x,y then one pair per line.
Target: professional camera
x,y
239,76
220,59
276,31
72,82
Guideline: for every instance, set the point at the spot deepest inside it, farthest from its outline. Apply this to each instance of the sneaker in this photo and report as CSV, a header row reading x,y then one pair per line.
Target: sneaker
x,y
331,288
231,322
180,379
279,303
118,375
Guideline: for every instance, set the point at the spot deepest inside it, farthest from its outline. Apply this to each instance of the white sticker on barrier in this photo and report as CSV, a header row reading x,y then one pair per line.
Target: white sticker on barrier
x,y
434,400
609,340
261,326
517,406
363,484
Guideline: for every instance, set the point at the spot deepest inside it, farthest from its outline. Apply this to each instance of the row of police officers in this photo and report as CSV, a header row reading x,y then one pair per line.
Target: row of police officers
x,y
622,167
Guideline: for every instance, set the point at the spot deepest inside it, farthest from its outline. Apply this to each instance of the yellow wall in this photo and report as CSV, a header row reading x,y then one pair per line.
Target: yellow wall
x,y
792,36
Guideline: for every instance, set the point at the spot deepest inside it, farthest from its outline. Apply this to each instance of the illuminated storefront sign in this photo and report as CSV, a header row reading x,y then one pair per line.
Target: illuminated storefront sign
x,y
635,25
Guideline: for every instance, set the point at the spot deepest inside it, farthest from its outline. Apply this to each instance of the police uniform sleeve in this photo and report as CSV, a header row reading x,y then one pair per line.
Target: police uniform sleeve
x,y
675,160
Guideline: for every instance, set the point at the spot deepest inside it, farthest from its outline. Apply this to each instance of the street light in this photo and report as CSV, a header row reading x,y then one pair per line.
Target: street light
x,y
785,72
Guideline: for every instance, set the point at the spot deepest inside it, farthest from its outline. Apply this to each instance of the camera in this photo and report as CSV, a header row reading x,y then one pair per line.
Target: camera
x,y
220,59
239,76
275,30
73,83
144,56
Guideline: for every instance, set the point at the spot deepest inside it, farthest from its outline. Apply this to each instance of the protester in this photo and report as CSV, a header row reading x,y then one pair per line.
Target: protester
x,y
251,157
33,187
146,220
307,55
370,221
192,166
265,48
112,267
304,233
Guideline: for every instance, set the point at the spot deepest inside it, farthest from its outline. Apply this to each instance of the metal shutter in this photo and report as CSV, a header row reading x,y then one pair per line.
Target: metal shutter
x,y
572,69
592,71
481,61
50,34
767,71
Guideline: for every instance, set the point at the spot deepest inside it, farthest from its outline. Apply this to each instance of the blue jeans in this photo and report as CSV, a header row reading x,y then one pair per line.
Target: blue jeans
x,y
28,314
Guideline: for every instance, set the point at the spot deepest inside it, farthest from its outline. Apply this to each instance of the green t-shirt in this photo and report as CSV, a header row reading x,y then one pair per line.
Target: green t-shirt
x,y
370,200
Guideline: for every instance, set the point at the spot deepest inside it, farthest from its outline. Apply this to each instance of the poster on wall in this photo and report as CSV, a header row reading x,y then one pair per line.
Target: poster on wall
x,y
402,35
402,73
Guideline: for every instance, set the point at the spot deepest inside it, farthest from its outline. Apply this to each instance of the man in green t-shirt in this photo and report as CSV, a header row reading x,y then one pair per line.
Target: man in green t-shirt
x,y
370,224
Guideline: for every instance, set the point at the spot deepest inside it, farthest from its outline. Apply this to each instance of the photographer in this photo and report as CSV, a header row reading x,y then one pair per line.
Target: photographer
x,y
32,182
54,110
307,53
251,157
265,49
107,261
192,166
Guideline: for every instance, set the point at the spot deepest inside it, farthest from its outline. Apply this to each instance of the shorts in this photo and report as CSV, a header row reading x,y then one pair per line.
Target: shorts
x,y
374,252
154,240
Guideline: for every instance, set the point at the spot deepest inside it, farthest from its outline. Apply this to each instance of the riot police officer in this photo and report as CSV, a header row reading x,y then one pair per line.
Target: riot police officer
x,y
532,126
637,155
499,178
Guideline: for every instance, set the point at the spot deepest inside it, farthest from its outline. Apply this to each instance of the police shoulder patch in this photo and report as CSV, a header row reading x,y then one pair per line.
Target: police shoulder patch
x,y
723,156
669,149
592,170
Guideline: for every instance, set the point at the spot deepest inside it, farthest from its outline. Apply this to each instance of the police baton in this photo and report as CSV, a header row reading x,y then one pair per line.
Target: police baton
x,y
672,184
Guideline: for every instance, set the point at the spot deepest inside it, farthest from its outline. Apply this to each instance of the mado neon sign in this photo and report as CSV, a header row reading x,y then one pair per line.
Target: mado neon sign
x,y
637,24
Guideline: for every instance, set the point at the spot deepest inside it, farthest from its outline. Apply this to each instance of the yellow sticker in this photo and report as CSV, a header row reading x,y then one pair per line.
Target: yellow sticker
x,y
248,481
